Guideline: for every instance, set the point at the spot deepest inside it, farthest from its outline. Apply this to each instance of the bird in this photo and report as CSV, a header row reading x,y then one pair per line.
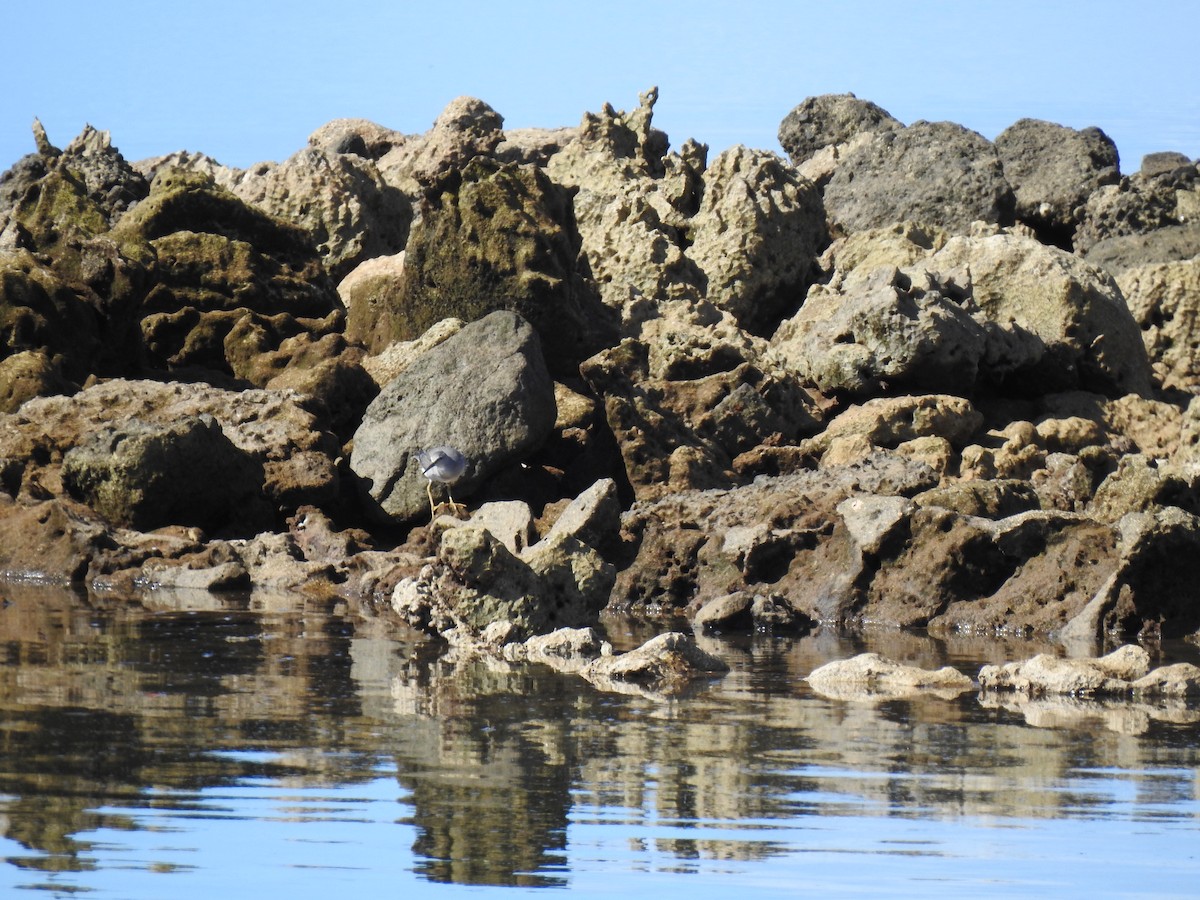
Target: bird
x,y
444,464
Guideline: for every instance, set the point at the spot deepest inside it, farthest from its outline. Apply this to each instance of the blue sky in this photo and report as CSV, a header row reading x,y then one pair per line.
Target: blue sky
x,y
246,81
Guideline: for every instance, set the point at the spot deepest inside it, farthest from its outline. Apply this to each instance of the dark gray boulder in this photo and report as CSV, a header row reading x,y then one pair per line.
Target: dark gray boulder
x,y
1053,169
936,173
485,391
830,119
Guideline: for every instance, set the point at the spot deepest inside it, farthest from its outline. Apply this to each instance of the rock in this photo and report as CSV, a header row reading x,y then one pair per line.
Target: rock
x,y
829,120
741,612
666,660
1139,484
1170,243
881,328
594,517
576,582
898,246
371,294
533,146
932,172
870,676
632,205
484,391
1154,591
398,356
475,582
1139,204
359,137
503,237
229,576
219,262
296,458
770,537
890,421
29,374
564,650
200,163
1053,170
1055,322
339,199
509,521
990,499
756,236
467,129
1178,680
1106,675
145,476
1025,574
1165,301
42,313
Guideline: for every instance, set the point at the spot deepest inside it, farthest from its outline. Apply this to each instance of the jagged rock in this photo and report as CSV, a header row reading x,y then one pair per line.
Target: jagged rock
x,y
1055,322
485,391
359,137
632,203
476,582
219,262
55,199
340,199
829,120
870,676
756,236
467,129
509,521
931,172
1139,484
662,661
881,327
1106,675
594,517
1053,170
1165,302
1140,204
769,537
890,421
899,246
503,237
990,499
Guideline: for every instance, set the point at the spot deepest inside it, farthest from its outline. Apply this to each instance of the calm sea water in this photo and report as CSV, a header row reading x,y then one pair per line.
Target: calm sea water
x,y
275,748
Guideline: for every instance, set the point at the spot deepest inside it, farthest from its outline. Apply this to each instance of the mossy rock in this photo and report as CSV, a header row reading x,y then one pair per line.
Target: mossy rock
x,y
142,475
29,374
183,200
38,311
503,237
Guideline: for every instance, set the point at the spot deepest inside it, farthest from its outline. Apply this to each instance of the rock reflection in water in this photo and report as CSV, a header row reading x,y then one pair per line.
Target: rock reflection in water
x,y
110,712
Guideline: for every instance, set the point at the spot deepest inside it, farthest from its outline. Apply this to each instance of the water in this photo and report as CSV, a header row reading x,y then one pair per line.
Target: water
x,y
276,747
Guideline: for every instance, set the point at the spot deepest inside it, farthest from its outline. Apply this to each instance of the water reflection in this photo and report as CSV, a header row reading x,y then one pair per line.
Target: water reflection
x,y
135,739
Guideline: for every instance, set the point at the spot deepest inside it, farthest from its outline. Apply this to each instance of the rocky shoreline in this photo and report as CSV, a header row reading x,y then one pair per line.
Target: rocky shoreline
x,y
905,377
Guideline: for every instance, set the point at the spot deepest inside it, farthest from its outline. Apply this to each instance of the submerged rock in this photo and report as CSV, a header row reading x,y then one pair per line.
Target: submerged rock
x,y
870,676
